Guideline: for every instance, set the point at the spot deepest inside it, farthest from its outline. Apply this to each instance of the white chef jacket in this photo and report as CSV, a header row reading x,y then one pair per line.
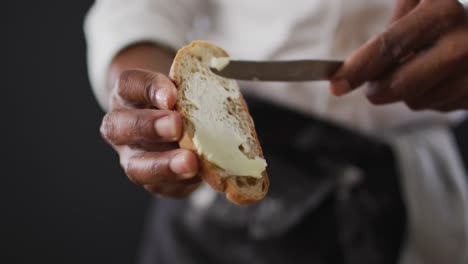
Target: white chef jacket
x,y
260,29
273,30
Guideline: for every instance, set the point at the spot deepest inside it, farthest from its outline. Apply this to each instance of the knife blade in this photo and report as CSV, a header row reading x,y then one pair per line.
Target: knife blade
x,y
283,71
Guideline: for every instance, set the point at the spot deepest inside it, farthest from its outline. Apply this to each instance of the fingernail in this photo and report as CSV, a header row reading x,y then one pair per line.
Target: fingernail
x,y
166,127
179,164
162,97
340,87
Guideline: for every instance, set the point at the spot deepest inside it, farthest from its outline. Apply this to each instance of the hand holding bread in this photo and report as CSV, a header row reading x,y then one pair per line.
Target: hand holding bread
x,y
142,126
212,126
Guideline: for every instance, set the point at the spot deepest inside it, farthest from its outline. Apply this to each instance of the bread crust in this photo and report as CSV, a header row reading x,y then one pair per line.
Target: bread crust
x,y
212,174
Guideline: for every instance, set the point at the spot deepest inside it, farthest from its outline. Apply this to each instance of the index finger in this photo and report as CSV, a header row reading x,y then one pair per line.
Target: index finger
x,y
417,29
143,88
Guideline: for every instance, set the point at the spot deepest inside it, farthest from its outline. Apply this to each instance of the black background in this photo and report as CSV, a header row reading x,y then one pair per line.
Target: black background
x,y
64,197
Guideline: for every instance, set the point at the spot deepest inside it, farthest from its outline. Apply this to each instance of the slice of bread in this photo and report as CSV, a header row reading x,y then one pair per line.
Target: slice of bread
x,y
195,59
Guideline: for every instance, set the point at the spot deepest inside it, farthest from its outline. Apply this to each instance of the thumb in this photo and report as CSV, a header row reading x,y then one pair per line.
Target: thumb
x,y
339,85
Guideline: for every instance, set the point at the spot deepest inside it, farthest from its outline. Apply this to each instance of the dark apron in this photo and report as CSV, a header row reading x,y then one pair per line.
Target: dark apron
x,y
334,198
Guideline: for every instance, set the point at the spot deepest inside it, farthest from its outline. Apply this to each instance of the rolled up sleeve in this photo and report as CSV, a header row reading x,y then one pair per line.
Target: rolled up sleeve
x,y
112,25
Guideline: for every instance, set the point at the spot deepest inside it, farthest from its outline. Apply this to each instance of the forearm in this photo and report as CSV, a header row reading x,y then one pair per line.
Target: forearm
x,y
143,56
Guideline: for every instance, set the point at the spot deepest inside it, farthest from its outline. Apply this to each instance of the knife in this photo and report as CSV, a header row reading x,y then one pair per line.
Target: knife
x,y
282,71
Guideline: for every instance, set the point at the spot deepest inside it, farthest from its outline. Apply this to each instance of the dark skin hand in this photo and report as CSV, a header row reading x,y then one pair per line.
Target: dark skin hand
x,y
420,59
142,126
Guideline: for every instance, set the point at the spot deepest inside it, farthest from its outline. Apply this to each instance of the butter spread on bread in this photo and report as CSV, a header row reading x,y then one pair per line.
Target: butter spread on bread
x,y
218,133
